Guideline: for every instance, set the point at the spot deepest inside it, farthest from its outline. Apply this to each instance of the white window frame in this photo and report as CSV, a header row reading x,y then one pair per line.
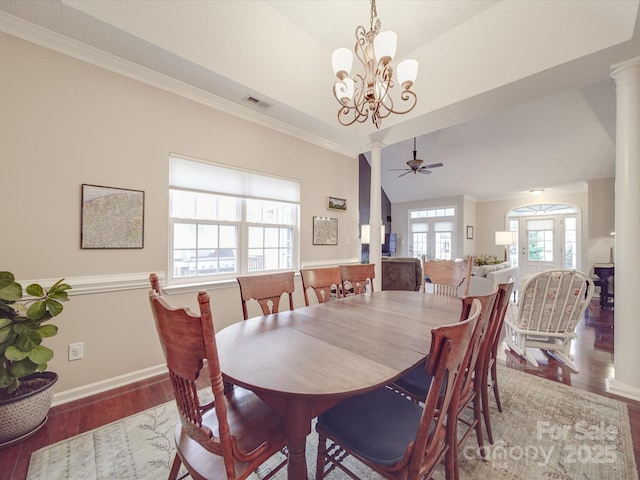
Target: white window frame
x,y
431,216
188,174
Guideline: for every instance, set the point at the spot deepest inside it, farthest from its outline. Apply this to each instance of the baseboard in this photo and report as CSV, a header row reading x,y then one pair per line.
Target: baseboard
x,y
102,386
618,388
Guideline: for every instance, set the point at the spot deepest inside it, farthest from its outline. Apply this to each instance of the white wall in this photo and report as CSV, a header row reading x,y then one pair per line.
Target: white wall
x,y
65,123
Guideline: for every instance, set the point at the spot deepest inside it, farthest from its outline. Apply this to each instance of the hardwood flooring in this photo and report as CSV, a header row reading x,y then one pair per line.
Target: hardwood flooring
x,y
593,355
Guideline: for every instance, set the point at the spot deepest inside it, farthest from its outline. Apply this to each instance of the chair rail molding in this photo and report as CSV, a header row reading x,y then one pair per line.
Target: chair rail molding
x,y
101,283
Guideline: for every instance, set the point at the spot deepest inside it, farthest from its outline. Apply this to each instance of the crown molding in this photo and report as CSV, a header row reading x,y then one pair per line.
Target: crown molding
x,y
43,37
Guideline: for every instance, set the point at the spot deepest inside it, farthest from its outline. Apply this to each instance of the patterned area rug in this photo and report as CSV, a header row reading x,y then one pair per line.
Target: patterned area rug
x,y
546,431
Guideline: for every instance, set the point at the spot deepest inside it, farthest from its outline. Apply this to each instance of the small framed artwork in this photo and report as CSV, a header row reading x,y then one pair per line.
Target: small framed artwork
x,y
335,203
111,217
469,232
325,231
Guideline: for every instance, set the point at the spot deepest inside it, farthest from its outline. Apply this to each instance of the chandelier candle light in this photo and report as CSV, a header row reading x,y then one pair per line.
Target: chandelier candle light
x,y
368,93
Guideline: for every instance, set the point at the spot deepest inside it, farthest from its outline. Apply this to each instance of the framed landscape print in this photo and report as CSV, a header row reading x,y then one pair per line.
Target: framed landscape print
x,y
335,203
111,217
325,231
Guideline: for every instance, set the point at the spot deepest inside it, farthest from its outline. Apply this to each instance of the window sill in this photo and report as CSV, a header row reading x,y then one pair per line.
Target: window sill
x,y
196,287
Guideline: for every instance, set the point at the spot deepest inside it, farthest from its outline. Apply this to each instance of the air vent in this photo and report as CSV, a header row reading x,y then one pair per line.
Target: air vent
x,y
256,101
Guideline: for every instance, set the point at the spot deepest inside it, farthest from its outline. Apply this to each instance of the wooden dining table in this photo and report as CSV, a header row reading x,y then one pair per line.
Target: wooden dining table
x,y
302,362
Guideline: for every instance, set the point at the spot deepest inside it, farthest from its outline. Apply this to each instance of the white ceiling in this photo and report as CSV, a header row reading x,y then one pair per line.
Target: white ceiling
x,y
512,94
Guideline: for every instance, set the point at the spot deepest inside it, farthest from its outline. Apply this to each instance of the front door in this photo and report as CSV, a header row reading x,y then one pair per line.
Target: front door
x,y
541,243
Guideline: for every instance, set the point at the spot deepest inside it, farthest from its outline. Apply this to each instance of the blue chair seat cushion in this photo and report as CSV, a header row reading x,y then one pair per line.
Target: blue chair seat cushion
x,y
377,426
416,381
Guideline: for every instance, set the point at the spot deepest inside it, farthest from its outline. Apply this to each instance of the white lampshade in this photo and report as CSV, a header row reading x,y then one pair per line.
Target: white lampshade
x,y
384,45
365,234
407,72
342,60
506,238
344,90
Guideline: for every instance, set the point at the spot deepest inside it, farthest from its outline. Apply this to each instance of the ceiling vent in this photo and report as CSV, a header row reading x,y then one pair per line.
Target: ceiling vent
x,y
255,101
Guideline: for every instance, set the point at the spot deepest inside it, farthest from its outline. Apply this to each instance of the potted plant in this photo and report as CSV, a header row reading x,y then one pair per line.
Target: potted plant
x,y
25,386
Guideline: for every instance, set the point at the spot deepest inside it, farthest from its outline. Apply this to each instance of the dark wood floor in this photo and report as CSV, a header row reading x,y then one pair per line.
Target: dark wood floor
x,y
593,354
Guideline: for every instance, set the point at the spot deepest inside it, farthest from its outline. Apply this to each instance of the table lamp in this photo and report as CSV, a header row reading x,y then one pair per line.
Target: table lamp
x,y
506,239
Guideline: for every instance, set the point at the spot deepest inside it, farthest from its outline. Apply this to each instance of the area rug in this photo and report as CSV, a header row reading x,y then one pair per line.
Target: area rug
x,y
546,431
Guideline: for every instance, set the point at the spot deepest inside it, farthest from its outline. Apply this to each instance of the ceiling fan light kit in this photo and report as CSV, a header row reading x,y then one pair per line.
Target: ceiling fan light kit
x,y
367,94
416,166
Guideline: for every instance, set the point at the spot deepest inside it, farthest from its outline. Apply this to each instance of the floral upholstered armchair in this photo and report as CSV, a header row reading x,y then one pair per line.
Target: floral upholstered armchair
x,y
551,305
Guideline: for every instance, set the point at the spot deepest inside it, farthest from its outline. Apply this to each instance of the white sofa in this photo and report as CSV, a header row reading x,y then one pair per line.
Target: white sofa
x,y
484,277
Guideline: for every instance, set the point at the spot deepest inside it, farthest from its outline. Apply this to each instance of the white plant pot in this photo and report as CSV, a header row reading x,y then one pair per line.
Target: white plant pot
x,y
22,417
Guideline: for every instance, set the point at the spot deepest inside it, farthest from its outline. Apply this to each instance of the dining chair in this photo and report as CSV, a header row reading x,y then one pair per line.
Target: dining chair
x,y
446,276
230,437
550,306
486,371
267,289
397,438
356,278
414,385
155,283
325,282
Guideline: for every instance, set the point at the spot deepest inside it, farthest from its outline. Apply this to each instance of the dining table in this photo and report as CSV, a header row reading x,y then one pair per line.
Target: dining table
x,y
304,361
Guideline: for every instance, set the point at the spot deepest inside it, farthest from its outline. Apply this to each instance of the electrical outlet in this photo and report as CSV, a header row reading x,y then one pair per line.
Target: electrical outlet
x,y
76,351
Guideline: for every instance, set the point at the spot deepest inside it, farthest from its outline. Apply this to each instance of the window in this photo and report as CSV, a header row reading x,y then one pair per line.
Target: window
x,y
227,222
540,237
432,232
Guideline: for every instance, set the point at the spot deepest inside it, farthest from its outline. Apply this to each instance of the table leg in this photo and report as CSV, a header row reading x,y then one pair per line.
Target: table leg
x,y
297,423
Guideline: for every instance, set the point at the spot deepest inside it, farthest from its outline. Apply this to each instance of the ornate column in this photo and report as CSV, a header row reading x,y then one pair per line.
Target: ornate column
x,y
375,213
627,198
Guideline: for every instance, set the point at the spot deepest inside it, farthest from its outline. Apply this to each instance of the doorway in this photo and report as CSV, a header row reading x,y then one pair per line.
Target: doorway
x,y
549,237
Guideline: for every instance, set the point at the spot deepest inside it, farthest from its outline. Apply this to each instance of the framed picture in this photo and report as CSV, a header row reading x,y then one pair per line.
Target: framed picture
x,y
335,203
469,232
325,231
111,217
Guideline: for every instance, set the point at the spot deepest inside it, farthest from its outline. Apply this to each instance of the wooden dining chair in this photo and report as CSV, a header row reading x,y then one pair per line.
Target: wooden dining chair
x,y
267,290
325,282
486,370
414,384
155,283
237,432
356,278
397,438
446,276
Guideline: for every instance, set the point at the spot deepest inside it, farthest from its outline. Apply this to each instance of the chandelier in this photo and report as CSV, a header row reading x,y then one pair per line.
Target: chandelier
x,y
367,94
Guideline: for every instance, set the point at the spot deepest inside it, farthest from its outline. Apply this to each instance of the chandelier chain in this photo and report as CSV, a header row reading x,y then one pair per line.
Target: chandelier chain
x,y
373,13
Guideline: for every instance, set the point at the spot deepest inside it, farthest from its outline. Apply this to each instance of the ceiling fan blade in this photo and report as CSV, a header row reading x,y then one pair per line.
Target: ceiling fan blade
x,y
434,165
405,173
425,172
400,169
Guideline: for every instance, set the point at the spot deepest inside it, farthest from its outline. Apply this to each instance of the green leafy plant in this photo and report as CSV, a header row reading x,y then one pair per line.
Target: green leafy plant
x,y
22,328
486,259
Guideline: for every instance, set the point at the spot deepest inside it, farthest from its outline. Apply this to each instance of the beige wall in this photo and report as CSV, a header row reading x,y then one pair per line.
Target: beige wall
x,y
492,218
65,123
602,220
400,224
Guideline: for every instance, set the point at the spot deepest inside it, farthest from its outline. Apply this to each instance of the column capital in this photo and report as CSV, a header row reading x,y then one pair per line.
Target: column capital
x,y
630,66
376,146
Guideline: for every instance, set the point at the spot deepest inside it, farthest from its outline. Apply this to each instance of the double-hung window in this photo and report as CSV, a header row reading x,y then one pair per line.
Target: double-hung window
x,y
227,222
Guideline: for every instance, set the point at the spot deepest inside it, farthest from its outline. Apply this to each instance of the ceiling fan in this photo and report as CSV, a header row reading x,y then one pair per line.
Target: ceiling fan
x,y
416,166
